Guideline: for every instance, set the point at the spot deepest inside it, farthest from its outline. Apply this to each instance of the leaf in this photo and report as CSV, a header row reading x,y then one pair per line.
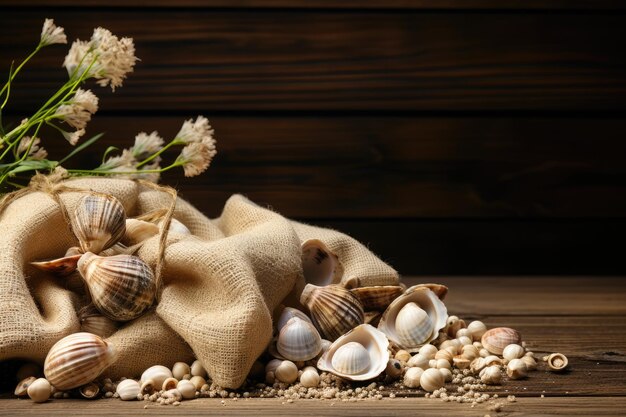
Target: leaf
x,y
32,166
82,146
107,152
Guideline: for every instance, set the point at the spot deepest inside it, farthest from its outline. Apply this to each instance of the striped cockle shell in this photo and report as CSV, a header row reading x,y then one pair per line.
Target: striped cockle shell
x,y
287,314
92,321
139,230
495,340
350,349
77,359
319,264
377,297
122,287
424,318
99,222
334,310
440,290
298,340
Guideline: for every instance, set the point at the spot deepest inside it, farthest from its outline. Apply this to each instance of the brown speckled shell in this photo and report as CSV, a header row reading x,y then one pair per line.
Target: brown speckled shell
x,y
334,310
122,287
377,297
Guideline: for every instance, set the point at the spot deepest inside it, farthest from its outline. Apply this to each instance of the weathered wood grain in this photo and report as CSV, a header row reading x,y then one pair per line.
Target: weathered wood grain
x,y
340,4
334,60
561,406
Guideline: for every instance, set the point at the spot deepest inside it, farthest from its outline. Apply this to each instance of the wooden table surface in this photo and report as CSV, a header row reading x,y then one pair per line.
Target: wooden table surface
x,y
582,317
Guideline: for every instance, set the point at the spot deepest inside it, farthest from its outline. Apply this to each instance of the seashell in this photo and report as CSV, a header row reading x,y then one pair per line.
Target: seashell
x,y
464,340
393,369
122,287
138,231
197,369
77,359
495,340
180,369
334,310
198,381
22,387
531,363
477,328
442,363
320,266
461,362
557,361
90,391
513,351
372,317
428,350
477,365
147,386
483,353
453,325
92,321
39,390
491,375
453,345
99,222
493,360
470,352
444,354
412,377
464,332
156,373
374,342
402,355
419,361
286,372
432,363
289,313
414,318
351,358
431,380
310,378
176,226
59,267
377,297
172,394
447,374
516,369
298,340
439,290
187,389
128,389
169,383
272,365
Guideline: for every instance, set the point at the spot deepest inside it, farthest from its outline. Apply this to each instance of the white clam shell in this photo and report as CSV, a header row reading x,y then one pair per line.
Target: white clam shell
x,y
287,314
412,334
299,340
157,373
320,265
128,389
351,358
39,390
372,340
432,379
187,389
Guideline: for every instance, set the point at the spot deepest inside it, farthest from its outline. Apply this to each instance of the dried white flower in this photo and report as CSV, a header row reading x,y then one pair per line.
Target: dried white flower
x,y
150,176
195,131
36,152
146,145
73,137
79,110
110,58
51,33
195,158
121,163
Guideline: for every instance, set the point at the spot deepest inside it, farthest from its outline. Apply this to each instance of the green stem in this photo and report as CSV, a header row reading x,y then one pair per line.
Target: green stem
x,y
156,154
108,172
17,70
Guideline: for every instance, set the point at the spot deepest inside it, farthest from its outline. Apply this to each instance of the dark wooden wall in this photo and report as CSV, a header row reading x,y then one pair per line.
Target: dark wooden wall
x,y
453,137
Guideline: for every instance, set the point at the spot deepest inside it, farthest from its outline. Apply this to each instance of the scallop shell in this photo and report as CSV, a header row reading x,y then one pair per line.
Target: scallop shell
x,y
414,318
122,287
128,389
59,267
139,230
374,342
320,266
299,340
92,321
377,297
334,310
287,314
439,289
77,359
157,374
99,222
495,340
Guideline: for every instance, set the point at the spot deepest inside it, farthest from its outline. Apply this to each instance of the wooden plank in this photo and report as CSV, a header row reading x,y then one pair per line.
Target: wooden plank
x,y
399,167
341,4
560,406
534,296
333,60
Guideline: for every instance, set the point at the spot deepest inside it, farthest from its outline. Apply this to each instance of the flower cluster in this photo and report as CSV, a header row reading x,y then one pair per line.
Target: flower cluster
x,y
107,59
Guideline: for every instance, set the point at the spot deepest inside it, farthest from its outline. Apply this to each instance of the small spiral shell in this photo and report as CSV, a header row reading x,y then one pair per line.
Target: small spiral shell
x,y
122,287
99,222
77,359
92,321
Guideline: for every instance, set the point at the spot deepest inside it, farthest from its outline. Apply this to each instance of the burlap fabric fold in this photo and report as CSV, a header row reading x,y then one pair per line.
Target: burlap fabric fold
x,y
220,285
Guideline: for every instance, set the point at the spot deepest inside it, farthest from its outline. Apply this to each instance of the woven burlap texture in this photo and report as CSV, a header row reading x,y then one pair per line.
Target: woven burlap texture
x,y
220,285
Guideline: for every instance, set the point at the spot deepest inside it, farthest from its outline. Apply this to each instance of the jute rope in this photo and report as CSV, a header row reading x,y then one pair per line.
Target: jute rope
x,y
51,185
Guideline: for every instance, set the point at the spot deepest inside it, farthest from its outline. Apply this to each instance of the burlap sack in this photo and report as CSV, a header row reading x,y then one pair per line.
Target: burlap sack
x,y
220,286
